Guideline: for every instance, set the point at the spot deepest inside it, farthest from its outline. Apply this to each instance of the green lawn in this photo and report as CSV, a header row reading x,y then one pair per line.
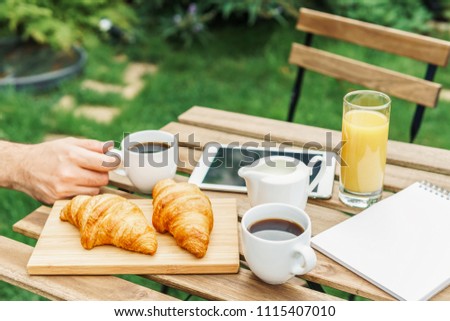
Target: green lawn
x,y
241,69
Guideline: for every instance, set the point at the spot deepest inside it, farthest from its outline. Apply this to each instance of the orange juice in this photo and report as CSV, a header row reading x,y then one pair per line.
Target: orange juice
x,y
365,134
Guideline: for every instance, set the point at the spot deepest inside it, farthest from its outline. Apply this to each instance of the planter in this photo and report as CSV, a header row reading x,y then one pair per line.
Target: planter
x,y
35,66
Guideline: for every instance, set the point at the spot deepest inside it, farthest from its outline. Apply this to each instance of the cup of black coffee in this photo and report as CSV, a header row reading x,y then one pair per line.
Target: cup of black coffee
x,y
276,242
149,147
147,157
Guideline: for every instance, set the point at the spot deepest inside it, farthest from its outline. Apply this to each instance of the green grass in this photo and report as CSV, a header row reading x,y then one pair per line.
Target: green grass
x,y
241,69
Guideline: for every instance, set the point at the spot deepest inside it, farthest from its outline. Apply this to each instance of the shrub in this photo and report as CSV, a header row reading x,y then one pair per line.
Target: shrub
x,y
188,21
401,14
439,8
61,23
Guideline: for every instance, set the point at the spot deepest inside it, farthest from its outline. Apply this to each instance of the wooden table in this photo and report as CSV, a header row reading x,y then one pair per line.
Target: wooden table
x,y
407,163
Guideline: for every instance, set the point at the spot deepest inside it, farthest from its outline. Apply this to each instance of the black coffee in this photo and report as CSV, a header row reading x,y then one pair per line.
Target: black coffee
x,y
149,147
275,229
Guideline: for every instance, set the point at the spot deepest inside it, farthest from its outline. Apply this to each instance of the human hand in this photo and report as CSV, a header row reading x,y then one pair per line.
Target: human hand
x,y
63,168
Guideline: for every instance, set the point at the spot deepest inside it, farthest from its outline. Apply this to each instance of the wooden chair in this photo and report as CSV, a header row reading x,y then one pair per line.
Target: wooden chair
x,y
423,92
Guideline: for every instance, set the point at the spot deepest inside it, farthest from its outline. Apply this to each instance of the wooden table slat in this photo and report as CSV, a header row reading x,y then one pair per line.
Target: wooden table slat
x,y
396,178
243,286
32,224
13,261
403,154
121,182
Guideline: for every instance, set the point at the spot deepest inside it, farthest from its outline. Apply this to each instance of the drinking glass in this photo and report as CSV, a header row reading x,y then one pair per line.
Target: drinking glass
x,y
365,127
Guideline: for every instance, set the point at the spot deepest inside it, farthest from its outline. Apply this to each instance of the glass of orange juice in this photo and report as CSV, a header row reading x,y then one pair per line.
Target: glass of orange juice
x,y
365,128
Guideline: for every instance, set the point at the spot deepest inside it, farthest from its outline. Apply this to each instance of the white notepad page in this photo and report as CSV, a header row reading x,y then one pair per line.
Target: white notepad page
x,y
401,244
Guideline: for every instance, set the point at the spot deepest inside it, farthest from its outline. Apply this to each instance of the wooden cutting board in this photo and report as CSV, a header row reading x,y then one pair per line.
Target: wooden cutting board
x,y
59,251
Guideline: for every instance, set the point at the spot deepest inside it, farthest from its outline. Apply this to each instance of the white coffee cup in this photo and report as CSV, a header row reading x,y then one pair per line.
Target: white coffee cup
x,y
272,257
145,169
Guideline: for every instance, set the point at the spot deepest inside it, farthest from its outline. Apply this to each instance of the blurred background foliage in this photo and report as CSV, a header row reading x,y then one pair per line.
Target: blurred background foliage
x,y
63,23
187,21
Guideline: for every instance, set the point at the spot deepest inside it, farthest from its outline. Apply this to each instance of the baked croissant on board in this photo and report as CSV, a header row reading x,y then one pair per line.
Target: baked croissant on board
x,y
110,219
184,211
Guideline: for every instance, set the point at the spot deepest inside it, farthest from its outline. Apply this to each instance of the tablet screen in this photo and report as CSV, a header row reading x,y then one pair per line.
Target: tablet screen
x,y
226,163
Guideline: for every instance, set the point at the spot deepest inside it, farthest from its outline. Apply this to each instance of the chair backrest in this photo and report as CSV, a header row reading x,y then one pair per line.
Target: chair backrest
x,y
423,92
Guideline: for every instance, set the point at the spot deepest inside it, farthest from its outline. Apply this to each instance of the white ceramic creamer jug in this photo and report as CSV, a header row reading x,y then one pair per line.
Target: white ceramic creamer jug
x,y
281,179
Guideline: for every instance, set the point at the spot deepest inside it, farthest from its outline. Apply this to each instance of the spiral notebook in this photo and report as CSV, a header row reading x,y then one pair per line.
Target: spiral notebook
x,y
401,244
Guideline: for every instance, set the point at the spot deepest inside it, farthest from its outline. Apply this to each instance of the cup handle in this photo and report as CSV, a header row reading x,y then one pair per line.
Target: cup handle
x,y
118,154
309,257
323,167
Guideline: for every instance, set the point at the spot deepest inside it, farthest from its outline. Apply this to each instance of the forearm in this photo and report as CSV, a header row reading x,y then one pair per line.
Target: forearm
x,y
11,159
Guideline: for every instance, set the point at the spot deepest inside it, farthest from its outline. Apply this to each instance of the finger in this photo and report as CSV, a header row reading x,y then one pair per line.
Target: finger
x,y
88,178
94,145
107,146
95,161
48,197
84,190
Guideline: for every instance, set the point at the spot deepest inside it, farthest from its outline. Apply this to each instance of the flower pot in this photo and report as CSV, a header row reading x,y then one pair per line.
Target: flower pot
x,y
35,66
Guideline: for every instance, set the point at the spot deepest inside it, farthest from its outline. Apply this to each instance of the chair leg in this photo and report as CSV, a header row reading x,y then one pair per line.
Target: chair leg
x,y
416,122
315,286
295,94
420,109
298,83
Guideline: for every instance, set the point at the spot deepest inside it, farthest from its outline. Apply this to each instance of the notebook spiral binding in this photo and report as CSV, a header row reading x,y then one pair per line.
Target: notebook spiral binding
x,y
438,191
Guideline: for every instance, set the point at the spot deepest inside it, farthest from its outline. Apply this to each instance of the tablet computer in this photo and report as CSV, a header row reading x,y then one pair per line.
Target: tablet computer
x,y
219,165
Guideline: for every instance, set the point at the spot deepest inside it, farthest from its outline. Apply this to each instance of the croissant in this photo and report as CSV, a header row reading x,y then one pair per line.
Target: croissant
x,y
184,211
110,219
